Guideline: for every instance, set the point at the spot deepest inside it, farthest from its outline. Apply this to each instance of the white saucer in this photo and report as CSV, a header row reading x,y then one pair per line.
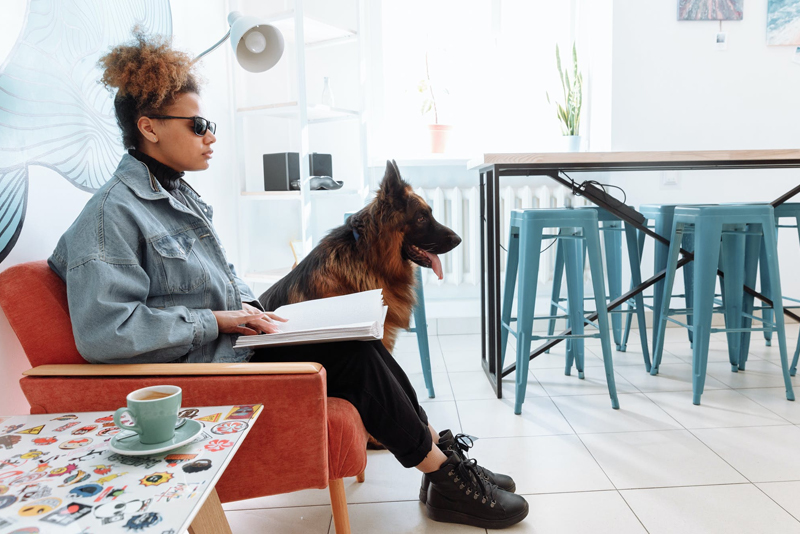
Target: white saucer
x,y
129,444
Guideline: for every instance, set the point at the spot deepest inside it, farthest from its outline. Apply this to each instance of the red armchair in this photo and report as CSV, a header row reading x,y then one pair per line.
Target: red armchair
x,y
302,439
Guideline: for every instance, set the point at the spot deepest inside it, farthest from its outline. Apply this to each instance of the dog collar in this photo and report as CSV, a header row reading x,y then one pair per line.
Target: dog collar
x,y
356,235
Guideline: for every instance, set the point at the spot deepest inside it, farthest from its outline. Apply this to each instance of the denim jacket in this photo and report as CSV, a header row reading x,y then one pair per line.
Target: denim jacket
x,y
144,272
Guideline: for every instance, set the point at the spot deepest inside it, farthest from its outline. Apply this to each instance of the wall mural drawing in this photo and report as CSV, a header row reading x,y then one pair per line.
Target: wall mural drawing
x,y
783,22
710,9
53,112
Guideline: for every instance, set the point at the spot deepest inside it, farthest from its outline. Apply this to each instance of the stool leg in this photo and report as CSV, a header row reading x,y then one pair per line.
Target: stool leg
x,y
663,227
688,283
751,257
766,314
421,328
592,237
732,264
636,279
771,246
530,245
573,260
659,328
706,259
508,291
556,293
612,239
628,318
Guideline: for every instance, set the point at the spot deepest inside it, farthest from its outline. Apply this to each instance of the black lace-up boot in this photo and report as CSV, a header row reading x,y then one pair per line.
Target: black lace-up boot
x,y
458,494
461,444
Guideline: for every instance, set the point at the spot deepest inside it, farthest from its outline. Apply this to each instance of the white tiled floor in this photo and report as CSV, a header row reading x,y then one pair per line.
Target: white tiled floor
x,y
659,464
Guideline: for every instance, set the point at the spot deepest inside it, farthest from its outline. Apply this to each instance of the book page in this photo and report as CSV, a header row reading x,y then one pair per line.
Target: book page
x,y
364,307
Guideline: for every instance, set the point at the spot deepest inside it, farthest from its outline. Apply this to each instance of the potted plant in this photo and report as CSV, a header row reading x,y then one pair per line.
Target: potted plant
x,y
440,133
569,114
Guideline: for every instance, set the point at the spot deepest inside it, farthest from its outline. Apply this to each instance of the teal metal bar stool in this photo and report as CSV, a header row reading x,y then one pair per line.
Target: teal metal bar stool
x,y
524,248
420,328
612,229
723,236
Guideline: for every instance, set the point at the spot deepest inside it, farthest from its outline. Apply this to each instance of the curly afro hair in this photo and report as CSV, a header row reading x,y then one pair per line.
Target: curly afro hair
x,y
148,75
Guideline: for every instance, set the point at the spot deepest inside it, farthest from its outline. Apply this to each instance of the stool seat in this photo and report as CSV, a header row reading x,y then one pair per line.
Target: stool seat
x,y
726,236
524,250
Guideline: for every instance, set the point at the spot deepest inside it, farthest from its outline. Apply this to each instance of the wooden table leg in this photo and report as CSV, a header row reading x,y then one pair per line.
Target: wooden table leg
x,y
211,518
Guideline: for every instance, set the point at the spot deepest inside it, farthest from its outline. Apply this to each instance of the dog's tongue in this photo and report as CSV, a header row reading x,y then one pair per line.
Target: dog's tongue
x,y
436,263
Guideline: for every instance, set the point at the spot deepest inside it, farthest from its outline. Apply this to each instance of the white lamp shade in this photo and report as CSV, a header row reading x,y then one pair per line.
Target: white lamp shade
x,y
262,54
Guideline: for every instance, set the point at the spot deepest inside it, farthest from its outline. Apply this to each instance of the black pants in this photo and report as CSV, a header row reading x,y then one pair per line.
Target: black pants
x,y
364,373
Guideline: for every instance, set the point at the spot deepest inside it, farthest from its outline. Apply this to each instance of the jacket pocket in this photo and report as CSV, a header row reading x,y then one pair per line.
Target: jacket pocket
x,y
183,270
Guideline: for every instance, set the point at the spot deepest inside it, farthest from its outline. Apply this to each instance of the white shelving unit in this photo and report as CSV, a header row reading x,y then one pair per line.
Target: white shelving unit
x,y
278,212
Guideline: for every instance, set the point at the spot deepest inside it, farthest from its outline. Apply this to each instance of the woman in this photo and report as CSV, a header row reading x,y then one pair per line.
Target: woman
x,y
148,281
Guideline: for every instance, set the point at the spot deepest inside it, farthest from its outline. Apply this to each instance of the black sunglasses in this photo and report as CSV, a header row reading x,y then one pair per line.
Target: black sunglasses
x,y
201,125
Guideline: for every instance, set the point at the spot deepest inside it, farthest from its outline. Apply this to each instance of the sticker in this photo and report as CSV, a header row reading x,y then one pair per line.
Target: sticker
x,y
77,478
32,430
44,441
109,431
244,411
84,430
188,413
229,427
210,418
58,471
7,522
174,459
68,417
3,489
102,469
87,490
27,530
9,441
135,461
140,522
11,428
110,493
108,478
26,479
62,428
9,474
93,452
197,466
32,454
40,507
106,419
7,500
34,491
113,512
216,445
75,443
156,479
68,514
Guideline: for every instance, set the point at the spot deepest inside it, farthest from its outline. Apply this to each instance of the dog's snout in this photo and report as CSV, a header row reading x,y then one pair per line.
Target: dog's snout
x,y
455,240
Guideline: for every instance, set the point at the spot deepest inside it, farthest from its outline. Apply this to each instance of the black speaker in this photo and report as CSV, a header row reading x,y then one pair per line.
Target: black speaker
x,y
280,170
320,165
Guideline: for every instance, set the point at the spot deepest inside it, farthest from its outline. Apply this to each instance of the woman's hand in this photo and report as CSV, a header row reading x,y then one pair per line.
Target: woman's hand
x,y
247,321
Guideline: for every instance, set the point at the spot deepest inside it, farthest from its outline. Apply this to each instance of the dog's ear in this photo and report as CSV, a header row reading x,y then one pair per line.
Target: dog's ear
x,y
357,223
392,186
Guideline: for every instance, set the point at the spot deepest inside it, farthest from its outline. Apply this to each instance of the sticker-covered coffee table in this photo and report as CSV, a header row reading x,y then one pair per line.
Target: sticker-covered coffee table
x,y
58,474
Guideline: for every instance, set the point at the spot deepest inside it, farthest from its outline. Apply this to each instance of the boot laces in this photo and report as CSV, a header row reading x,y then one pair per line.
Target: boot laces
x,y
464,442
469,473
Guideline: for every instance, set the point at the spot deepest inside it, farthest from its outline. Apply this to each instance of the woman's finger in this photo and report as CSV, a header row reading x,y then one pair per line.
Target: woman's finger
x,y
276,317
245,331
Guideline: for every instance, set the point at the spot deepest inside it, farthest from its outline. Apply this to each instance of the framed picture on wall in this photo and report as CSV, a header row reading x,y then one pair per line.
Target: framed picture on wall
x,y
709,10
783,22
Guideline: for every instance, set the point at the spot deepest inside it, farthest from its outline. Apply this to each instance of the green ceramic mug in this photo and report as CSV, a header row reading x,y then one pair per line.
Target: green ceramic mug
x,y
154,411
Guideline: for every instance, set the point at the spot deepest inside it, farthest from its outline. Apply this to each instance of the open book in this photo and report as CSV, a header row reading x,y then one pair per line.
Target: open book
x,y
358,316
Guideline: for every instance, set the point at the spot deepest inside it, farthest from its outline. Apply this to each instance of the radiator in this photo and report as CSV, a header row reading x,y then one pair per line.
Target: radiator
x,y
459,209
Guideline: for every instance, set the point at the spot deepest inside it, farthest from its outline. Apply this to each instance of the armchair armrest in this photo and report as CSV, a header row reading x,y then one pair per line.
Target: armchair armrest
x,y
177,369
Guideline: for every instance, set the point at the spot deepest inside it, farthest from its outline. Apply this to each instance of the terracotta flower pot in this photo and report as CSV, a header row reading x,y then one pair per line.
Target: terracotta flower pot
x,y
440,133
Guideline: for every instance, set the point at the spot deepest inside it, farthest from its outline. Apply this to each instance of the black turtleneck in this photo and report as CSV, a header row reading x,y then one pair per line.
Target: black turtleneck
x,y
168,177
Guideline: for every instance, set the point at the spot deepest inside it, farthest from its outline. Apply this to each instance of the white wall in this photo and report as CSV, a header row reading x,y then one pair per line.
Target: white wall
x,y
53,203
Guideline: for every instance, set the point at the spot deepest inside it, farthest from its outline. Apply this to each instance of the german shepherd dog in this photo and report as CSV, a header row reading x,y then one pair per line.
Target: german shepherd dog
x,y
375,249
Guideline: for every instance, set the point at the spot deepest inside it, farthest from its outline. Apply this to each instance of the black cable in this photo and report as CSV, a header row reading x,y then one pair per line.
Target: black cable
x,y
577,188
